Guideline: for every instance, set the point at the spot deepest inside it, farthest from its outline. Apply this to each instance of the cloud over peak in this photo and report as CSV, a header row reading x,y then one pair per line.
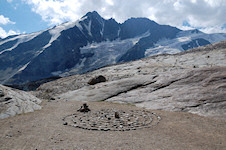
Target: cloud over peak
x,y
200,14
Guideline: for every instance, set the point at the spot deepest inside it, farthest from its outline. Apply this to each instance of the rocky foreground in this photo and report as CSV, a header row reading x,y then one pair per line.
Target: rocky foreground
x,y
164,87
45,129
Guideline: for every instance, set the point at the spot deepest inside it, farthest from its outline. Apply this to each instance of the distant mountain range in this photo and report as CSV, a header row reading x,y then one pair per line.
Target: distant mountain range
x,y
90,43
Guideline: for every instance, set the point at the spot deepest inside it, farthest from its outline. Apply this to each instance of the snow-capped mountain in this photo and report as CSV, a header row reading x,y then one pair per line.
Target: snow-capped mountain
x,y
89,43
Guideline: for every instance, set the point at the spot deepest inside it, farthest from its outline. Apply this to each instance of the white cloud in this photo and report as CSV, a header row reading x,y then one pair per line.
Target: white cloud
x,y
9,1
186,28
214,29
198,13
5,20
4,33
56,12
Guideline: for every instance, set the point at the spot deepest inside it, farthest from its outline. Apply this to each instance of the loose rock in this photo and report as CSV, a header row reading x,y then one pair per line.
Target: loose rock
x,y
96,80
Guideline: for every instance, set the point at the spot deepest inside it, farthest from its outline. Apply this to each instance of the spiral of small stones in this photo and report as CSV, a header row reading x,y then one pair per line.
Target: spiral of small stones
x,y
105,120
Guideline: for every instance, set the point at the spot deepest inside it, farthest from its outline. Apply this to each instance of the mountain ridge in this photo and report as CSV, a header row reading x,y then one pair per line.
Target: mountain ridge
x,y
84,45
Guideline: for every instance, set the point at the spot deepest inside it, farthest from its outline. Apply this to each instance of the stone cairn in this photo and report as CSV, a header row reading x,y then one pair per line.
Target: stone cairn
x,y
111,119
84,108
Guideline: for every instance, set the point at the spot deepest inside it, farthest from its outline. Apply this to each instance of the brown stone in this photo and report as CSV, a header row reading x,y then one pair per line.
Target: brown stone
x,y
117,115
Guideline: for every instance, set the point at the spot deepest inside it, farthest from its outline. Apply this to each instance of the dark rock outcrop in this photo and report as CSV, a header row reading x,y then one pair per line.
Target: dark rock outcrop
x,y
195,43
96,80
2,93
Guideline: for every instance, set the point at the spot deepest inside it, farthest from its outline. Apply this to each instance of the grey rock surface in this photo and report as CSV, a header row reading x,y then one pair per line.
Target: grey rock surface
x,y
17,102
200,91
104,91
193,81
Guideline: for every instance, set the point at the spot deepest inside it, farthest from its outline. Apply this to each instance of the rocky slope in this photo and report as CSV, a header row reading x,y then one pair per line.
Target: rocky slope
x,y
14,102
193,81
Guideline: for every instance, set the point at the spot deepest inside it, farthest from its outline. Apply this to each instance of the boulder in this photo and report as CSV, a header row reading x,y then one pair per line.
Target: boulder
x,y
96,80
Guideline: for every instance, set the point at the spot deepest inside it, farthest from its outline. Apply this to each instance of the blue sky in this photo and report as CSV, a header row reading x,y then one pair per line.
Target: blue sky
x,y
26,16
22,16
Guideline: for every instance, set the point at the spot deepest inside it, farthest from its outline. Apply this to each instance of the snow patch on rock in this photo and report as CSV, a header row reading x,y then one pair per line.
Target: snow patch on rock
x,y
21,39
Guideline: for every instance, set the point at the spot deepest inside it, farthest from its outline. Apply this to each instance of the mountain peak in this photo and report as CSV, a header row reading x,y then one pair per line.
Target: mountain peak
x,y
196,31
92,14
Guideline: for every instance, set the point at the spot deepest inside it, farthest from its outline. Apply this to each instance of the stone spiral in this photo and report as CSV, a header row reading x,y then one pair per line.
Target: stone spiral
x,y
105,120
